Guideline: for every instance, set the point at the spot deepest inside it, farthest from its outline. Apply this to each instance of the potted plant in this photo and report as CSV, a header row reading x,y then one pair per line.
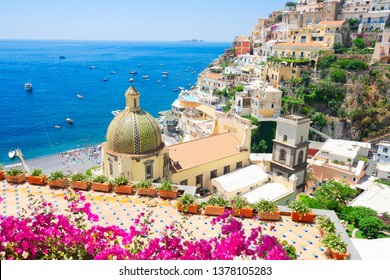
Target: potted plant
x,y
57,179
1,172
241,207
215,206
187,203
166,190
101,184
80,181
37,177
324,225
121,185
301,212
146,188
267,210
15,175
337,247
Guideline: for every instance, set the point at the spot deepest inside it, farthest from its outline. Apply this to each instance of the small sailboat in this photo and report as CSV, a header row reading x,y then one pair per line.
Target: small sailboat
x,y
69,120
80,96
57,126
131,80
11,154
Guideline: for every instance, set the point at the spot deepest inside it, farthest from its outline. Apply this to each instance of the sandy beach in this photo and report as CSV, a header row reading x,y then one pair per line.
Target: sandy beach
x,y
71,161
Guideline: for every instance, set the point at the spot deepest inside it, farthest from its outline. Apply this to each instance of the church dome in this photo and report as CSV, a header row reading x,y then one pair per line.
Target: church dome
x,y
133,131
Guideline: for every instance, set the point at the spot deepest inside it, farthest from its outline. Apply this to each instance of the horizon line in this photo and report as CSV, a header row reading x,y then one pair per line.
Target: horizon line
x,y
117,40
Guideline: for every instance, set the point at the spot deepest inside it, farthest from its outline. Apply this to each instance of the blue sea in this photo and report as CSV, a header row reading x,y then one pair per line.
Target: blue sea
x,y
27,120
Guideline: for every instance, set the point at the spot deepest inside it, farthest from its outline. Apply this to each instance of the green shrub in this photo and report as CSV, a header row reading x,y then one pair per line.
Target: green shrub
x,y
217,201
79,177
100,179
121,180
325,224
300,207
165,186
338,76
37,172
56,175
334,242
14,171
186,201
264,205
144,184
371,226
240,202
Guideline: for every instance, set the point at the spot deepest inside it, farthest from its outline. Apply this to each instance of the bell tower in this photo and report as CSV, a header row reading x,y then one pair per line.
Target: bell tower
x,y
289,155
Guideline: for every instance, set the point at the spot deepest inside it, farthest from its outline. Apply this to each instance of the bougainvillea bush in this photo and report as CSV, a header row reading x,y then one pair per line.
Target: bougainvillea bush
x,y
42,233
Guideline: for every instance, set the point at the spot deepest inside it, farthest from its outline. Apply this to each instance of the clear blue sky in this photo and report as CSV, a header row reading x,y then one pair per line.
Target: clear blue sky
x,y
152,20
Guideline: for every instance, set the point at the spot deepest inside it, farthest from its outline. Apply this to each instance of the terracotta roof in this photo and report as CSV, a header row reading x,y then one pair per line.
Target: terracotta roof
x,y
300,45
197,152
331,22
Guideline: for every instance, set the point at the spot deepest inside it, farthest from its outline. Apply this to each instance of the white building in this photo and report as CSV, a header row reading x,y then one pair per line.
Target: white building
x,y
382,159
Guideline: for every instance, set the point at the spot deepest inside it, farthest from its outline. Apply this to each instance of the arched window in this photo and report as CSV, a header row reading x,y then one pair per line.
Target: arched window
x,y
300,157
284,138
282,155
385,150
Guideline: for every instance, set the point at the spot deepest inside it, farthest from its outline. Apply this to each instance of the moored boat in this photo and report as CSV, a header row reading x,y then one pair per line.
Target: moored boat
x,y
92,67
61,57
80,96
69,120
131,80
105,79
57,126
116,112
28,87
11,154
145,76
133,72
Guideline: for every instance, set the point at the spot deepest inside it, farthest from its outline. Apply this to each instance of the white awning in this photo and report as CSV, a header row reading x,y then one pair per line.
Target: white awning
x,y
240,181
271,191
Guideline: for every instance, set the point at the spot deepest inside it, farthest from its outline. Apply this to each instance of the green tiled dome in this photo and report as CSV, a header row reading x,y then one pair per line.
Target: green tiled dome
x,y
133,131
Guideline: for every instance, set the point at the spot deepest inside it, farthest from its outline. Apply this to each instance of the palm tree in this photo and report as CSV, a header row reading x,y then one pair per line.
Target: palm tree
x,y
310,178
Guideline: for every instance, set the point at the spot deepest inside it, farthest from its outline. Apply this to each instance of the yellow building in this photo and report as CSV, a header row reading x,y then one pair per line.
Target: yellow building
x,y
324,32
134,148
288,60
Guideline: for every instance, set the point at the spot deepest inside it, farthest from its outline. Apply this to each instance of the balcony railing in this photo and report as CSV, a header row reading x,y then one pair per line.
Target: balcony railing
x,y
372,21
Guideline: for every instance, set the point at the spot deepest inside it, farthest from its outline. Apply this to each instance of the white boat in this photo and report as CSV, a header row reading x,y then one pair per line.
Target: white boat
x,y
175,89
116,112
11,154
181,88
28,87
164,73
112,72
69,120
145,77
158,81
164,76
92,67
80,96
105,79
57,126
131,80
133,72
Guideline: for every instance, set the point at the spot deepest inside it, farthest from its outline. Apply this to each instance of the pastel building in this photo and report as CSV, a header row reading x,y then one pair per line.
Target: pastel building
x,y
382,159
382,48
242,45
376,17
342,160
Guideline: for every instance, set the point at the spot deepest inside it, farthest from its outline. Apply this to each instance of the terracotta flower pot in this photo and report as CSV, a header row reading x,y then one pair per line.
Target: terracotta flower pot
x,y
123,189
60,183
36,180
101,187
339,256
191,209
80,185
275,216
168,194
147,191
243,212
16,179
214,210
1,175
306,218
